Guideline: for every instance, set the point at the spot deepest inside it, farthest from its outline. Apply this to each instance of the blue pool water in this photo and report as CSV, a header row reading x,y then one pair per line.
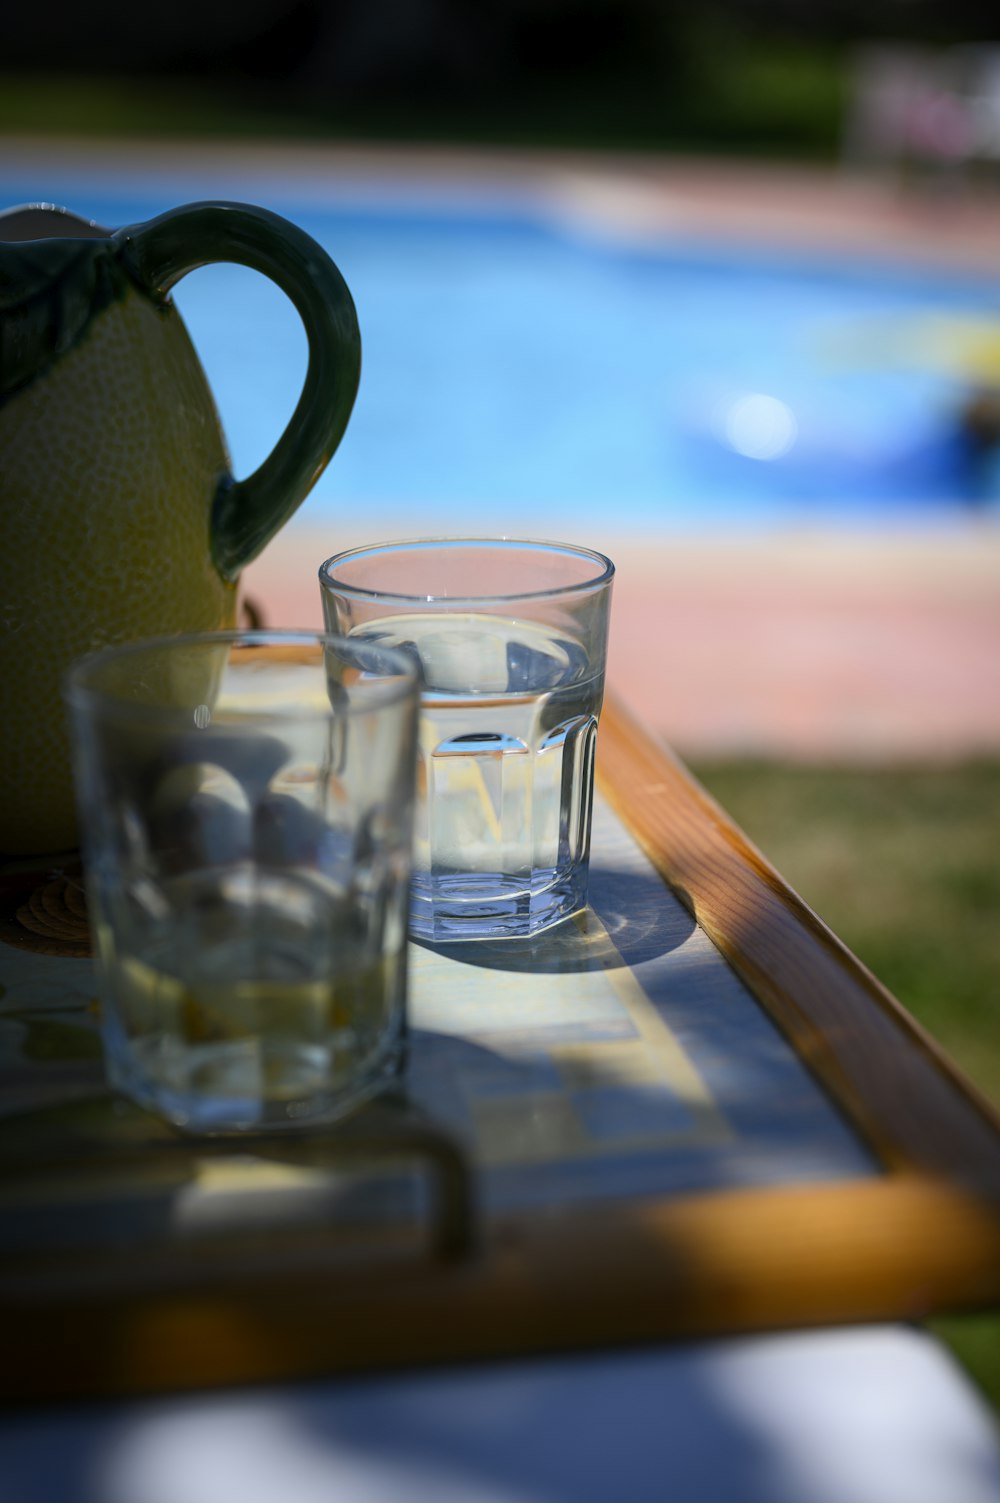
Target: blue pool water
x,y
522,371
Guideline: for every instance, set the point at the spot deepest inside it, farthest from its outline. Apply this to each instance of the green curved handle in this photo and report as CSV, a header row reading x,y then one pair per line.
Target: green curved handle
x,y
247,513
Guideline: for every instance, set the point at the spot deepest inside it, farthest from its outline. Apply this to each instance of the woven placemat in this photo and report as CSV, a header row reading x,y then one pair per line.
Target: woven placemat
x,y
45,911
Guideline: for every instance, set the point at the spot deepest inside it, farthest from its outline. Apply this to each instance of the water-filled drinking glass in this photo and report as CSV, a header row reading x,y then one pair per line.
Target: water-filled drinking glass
x,y
511,639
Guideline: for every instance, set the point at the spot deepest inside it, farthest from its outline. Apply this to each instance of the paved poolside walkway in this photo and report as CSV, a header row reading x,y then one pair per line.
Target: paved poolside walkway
x,y
830,647
827,648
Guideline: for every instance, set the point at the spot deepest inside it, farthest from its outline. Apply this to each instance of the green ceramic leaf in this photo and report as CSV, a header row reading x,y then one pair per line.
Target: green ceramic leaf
x,y
49,292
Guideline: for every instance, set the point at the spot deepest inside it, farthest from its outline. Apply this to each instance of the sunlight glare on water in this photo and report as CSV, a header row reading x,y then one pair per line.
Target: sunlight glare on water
x,y
759,426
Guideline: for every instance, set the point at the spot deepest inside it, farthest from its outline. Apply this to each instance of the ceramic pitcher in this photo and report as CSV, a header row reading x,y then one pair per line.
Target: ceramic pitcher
x,y
120,516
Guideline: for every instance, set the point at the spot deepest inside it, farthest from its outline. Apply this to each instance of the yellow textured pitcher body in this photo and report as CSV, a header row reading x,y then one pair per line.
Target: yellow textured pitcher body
x,y
109,462
119,517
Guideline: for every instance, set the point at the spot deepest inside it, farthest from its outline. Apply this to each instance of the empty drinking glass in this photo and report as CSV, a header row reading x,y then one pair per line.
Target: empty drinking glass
x,y
246,802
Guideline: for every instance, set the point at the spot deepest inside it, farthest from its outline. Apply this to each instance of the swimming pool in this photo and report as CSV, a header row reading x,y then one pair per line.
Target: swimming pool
x,y
522,370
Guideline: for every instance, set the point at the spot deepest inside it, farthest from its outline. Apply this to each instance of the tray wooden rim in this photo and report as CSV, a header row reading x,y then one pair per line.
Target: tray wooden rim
x,y
922,1238
899,1088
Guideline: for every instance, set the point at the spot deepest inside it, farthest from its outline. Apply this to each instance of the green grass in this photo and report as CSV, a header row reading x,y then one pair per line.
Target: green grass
x,y
85,105
742,99
904,865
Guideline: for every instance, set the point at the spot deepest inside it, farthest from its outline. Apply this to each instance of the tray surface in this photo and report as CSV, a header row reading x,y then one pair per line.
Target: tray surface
x,y
686,1111
616,1056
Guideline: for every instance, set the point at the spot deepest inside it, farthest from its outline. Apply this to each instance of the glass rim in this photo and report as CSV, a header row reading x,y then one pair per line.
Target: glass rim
x,y
380,693
604,576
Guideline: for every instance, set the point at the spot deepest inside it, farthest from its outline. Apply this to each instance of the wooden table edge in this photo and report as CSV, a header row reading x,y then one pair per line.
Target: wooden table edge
x,y
713,1265
899,1088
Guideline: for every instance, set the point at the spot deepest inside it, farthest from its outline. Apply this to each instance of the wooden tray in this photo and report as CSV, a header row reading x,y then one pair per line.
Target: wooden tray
x,y
691,1112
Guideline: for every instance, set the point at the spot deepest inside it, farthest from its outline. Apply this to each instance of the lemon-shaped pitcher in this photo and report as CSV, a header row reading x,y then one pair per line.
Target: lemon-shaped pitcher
x,y
120,515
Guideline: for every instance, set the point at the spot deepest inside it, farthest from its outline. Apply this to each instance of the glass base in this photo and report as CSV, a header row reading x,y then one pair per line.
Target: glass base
x,y
239,1087
489,905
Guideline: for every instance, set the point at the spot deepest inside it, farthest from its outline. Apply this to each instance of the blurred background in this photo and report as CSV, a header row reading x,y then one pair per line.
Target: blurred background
x,y
787,216
743,76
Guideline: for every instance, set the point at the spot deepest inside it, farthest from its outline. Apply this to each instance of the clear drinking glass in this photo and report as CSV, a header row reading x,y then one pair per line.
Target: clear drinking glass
x,y
511,638
247,806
